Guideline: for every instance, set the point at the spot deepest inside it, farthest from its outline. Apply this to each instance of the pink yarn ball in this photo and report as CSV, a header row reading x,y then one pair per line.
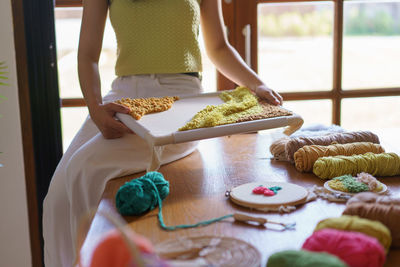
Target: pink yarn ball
x,y
354,248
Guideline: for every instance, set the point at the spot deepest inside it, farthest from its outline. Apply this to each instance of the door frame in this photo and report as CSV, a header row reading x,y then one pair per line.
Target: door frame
x,y
39,105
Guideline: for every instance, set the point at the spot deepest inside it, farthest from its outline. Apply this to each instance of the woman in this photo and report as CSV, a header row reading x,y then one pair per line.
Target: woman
x,y
158,55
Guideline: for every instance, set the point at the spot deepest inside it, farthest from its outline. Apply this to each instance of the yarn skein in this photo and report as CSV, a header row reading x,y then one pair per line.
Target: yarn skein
x,y
112,250
138,196
355,249
340,138
371,228
383,164
304,258
388,214
305,157
370,197
277,148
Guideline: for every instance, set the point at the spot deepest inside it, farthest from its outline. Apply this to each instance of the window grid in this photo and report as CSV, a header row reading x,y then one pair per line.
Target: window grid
x,y
235,21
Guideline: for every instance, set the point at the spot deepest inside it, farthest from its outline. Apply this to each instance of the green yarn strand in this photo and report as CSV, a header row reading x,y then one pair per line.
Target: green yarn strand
x,y
183,226
143,194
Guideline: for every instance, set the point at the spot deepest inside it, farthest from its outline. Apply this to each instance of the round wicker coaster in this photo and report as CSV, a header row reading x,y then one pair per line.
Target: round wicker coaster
x,y
217,251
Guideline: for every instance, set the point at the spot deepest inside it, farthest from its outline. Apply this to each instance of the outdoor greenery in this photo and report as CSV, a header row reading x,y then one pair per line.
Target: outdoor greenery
x,y
320,23
3,77
381,23
3,73
296,24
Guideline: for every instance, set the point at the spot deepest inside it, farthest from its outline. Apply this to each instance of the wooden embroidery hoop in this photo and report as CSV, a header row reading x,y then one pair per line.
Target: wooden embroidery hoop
x,y
289,195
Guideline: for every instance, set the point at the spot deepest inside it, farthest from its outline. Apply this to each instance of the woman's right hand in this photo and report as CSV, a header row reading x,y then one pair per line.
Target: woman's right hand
x,y
103,116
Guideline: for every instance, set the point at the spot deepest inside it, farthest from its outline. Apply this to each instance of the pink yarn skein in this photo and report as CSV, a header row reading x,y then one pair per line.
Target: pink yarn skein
x,y
354,248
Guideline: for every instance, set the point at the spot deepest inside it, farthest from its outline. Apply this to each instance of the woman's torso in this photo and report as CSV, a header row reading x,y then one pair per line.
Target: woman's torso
x,y
156,36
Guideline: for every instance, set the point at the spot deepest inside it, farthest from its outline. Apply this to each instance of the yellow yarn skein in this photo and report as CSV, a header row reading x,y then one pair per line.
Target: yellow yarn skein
x,y
356,224
384,164
305,157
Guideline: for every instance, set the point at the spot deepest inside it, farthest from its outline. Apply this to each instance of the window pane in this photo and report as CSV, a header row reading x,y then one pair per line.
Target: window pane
x,y
371,44
312,111
371,113
295,45
71,121
68,23
209,80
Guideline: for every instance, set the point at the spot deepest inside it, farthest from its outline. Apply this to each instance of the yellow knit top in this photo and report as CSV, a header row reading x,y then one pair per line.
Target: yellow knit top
x,y
156,36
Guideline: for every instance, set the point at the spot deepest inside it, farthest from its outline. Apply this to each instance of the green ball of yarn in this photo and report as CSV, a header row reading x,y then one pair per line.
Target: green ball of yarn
x,y
303,258
139,195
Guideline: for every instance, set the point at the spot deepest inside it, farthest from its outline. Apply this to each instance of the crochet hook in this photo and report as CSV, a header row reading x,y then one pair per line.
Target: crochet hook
x,y
246,218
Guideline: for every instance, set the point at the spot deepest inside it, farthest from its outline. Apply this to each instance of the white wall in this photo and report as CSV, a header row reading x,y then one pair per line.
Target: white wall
x,y
14,228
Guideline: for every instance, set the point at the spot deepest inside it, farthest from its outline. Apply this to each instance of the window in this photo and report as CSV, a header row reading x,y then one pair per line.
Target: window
x,y
371,45
337,59
295,45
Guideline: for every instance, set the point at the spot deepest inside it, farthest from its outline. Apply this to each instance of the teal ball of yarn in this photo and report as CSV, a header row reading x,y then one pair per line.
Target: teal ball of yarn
x,y
139,195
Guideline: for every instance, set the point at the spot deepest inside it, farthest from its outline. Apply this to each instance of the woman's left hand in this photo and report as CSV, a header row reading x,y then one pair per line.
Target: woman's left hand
x,y
268,94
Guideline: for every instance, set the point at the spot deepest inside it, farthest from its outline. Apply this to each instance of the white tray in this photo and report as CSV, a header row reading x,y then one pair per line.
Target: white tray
x,y
162,128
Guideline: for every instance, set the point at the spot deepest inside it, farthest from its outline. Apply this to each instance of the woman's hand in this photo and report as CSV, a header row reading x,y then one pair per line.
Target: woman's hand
x,y
268,94
103,116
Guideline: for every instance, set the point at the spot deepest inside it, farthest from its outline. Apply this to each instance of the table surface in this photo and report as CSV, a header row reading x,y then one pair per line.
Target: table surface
x,y
198,184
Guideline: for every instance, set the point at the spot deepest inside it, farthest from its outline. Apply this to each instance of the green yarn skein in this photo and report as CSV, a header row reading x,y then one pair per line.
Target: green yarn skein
x,y
303,258
138,195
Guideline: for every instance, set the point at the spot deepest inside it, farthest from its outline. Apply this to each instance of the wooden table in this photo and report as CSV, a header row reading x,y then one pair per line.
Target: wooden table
x,y
197,192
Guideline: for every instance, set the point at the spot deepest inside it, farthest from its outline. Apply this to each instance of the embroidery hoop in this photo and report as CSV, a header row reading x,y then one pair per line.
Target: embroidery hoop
x,y
289,195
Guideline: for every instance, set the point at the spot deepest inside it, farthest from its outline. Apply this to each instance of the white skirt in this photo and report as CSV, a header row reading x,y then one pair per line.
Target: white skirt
x,y
91,161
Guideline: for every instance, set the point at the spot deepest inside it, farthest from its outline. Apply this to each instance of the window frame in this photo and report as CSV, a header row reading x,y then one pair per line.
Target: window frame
x,y
237,14
248,15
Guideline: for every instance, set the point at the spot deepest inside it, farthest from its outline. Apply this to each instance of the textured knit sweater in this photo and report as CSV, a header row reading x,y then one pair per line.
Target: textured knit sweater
x,y
156,36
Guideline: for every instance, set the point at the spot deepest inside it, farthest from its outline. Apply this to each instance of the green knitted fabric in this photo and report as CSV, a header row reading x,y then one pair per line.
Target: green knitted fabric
x,y
156,36
138,196
351,184
303,258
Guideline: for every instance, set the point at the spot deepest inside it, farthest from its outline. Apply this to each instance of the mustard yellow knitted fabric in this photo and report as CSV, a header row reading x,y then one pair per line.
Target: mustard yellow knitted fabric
x,y
356,224
383,164
237,103
156,36
305,157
